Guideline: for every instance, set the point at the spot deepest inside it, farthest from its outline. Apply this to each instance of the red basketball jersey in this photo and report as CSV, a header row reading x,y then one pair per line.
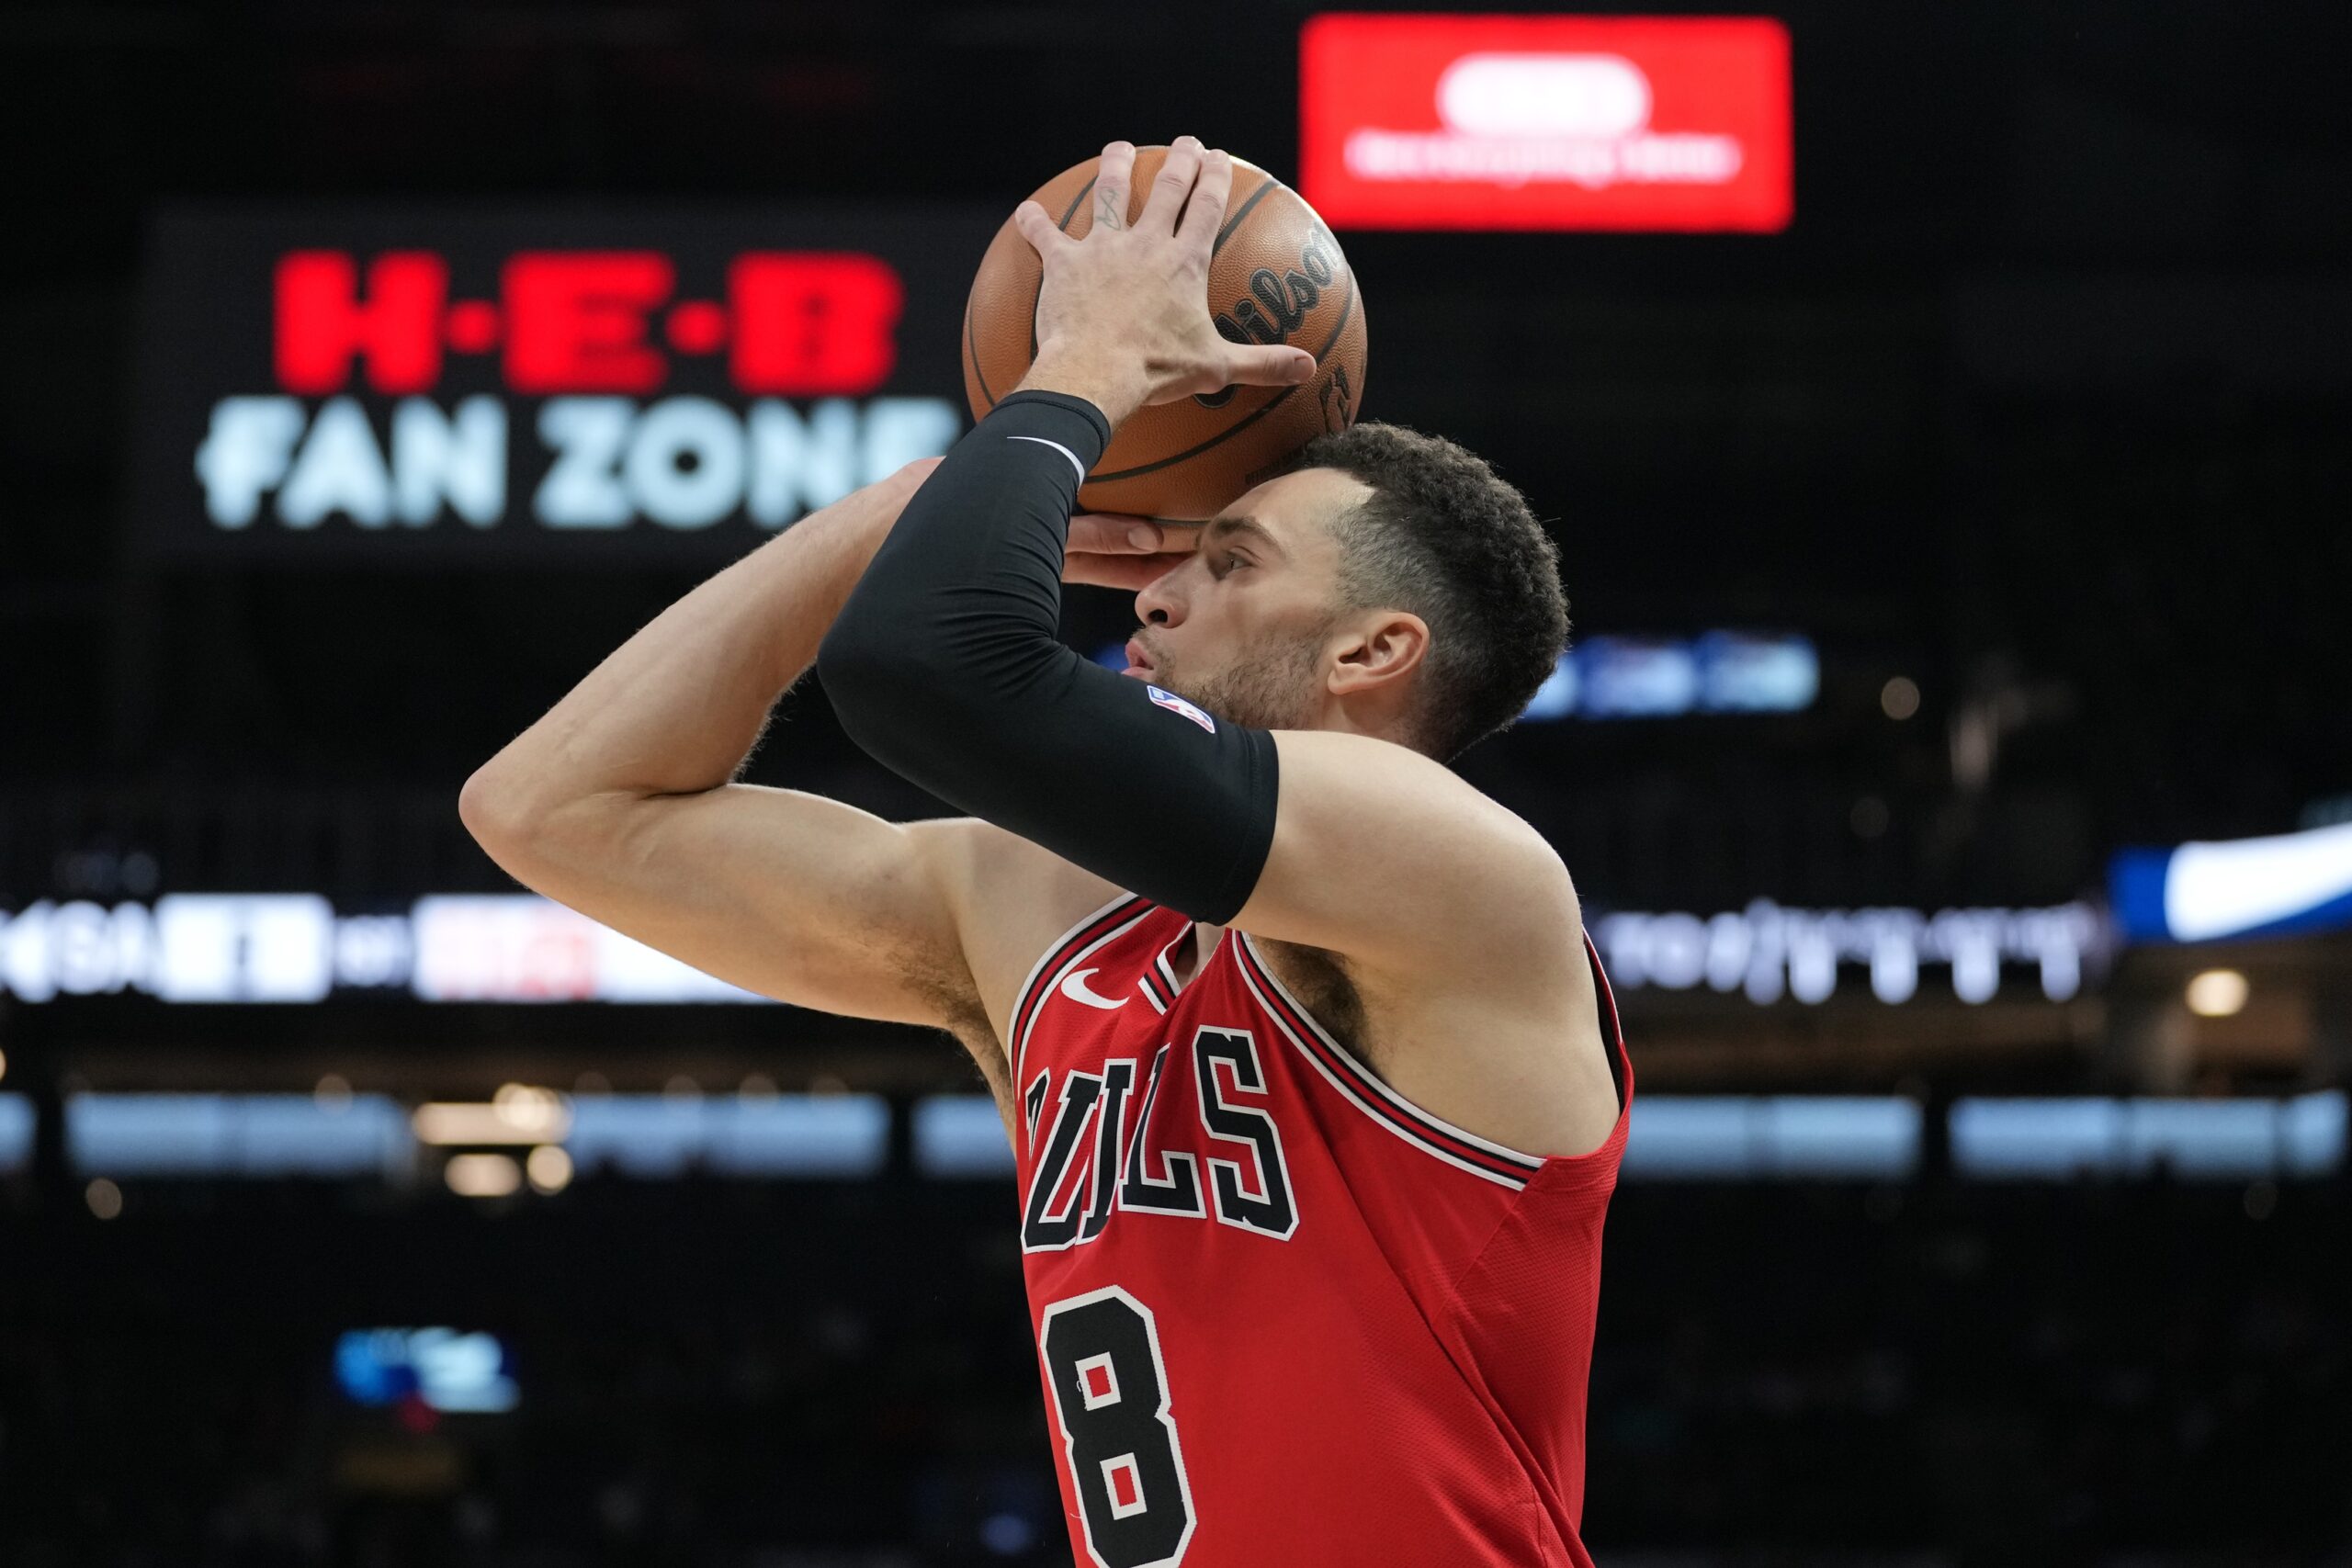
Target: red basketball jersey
x,y
1285,1318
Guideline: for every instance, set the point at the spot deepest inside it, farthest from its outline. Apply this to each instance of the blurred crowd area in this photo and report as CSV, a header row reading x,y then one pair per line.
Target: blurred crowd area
x,y
819,1377
2031,407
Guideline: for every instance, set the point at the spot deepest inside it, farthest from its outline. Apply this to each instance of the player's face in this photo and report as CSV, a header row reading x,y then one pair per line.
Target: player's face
x,y
1241,628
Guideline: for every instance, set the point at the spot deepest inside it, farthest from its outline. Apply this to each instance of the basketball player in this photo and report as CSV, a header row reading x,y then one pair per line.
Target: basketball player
x,y
1313,1079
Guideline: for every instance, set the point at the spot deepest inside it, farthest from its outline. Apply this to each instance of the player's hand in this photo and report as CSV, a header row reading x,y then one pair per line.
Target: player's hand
x,y
1105,549
1123,315
1110,551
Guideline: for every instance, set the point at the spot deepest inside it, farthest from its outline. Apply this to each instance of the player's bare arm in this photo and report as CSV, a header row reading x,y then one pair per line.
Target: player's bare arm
x,y
1456,924
623,803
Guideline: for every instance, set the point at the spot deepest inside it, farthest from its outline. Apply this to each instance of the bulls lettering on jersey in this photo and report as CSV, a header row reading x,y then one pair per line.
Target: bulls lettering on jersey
x,y
1283,1315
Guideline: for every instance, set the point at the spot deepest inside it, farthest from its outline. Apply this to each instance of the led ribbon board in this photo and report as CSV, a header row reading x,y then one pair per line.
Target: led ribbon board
x,y
518,947
1546,122
379,386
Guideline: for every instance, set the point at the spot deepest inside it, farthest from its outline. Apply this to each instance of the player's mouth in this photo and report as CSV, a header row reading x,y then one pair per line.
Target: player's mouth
x,y
1139,661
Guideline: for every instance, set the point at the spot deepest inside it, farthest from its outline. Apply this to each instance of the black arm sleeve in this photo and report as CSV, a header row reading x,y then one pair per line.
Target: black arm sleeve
x,y
946,666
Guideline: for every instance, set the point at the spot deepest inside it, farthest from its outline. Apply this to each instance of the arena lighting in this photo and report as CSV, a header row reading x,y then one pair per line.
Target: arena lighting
x,y
1626,677
1671,1137
1675,1137
1534,122
15,1131
2247,887
659,1137
549,1167
244,1135
1716,672
531,1110
2224,1140
483,1175
467,1123
2217,993
763,1135
1849,1137
452,1372
1862,1137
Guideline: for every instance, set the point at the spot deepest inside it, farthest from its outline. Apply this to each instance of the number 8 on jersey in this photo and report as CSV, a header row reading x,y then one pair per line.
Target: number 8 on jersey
x,y
1102,1356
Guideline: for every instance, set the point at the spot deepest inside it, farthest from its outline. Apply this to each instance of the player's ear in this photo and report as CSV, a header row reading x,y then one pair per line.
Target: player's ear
x,y
1379,649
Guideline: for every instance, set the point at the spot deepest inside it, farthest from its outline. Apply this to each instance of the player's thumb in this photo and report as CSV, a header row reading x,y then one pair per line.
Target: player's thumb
x,y
1275,366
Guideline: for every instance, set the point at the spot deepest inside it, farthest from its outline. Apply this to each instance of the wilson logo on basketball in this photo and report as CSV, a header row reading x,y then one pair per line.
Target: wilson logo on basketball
x,y
1276,305
1276,275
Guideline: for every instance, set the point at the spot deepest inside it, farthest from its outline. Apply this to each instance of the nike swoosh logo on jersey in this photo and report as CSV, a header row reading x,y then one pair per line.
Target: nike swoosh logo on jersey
x,y
1075,988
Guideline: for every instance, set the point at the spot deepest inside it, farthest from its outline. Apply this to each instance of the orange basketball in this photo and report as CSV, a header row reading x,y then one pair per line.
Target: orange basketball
x,y
1277,277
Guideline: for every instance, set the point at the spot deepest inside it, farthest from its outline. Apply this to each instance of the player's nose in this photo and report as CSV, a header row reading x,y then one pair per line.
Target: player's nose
x,y
1161,602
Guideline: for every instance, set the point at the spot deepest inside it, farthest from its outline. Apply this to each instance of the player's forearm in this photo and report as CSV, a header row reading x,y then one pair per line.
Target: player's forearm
x,y
679,707
945,667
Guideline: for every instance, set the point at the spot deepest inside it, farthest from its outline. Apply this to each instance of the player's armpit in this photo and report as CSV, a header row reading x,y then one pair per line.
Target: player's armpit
x,y
790,895
1387,857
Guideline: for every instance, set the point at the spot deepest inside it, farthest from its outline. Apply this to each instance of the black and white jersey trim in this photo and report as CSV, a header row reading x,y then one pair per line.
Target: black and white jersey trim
x,y
1480,1156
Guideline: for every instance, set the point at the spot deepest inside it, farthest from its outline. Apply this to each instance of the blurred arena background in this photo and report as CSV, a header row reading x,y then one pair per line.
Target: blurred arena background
x,y
1941,410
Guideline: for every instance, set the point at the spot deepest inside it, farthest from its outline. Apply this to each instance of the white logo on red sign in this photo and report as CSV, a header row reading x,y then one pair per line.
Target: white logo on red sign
x,y
1516,119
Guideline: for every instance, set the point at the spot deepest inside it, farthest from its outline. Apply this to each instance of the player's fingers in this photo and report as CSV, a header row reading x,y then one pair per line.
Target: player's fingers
x,y
1114,177
1277,364
1037,228
1130,573
1108,533
1172,186
1205,212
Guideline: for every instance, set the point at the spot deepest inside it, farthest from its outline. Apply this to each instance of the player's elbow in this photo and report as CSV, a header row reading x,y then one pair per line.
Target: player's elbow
x,y
879,685
497,811
485,809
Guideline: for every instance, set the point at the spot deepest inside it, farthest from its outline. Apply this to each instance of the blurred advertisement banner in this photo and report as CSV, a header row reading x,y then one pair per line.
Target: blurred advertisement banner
x,y
2242,887
1546,122
391,385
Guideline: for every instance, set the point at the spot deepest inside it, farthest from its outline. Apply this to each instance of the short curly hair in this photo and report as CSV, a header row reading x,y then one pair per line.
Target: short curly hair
x,y
1444,536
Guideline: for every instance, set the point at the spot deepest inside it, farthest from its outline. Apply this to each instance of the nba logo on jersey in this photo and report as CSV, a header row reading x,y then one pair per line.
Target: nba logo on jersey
x,y
1170,700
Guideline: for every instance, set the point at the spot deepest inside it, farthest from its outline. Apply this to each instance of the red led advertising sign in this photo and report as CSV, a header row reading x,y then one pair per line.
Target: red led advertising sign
x,y
414,386
1620,123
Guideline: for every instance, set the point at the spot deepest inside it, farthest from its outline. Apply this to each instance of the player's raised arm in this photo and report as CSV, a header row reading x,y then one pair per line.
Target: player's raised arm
x,y
621,802
945,663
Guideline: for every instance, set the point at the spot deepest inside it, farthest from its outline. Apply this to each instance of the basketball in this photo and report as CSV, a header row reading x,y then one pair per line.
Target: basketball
x,y
1277,276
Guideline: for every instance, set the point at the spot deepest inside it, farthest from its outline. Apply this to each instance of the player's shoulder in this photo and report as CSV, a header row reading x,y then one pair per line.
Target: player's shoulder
x,y
1373,765
1377,785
